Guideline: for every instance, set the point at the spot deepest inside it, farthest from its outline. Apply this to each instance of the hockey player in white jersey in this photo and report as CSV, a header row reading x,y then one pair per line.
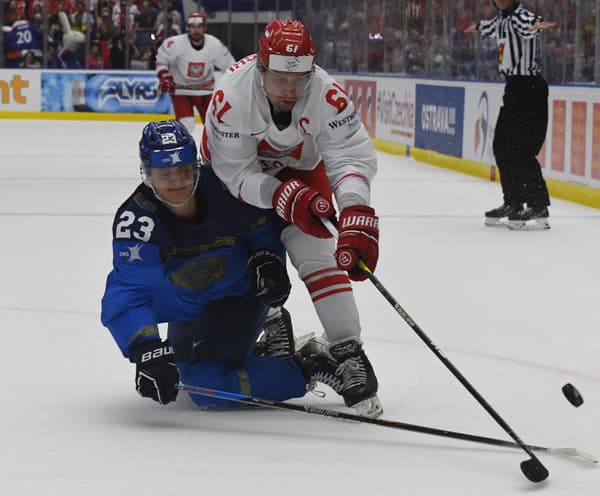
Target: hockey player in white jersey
x,y
185,66
281,133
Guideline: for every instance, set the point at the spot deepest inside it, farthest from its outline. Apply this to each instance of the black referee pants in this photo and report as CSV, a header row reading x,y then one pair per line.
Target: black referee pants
x,y
519,136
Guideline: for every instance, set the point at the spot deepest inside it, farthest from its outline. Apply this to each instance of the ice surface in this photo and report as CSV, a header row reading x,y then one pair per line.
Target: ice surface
x,y
517,312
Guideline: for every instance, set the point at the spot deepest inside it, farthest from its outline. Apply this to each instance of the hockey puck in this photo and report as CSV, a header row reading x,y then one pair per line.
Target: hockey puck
x,y
572,394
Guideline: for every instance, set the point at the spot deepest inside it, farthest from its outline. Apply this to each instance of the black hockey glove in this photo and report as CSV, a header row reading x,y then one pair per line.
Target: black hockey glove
x,y
268,278
156,373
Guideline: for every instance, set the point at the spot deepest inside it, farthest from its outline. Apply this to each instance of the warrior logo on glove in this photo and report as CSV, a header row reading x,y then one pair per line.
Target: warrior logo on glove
x,y
358,240
301,205
323,207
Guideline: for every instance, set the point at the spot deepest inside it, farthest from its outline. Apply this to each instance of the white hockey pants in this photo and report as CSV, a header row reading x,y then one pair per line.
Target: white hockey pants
x,y
328,286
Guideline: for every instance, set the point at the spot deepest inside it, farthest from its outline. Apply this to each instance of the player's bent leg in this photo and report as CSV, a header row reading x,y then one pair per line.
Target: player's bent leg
x,y
225,331
328,286
212,375
263,377
273,378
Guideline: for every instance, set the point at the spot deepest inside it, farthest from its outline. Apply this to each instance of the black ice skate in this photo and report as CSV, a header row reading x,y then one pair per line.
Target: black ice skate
x,y
277,337
498,216
360,383
344,367
534,218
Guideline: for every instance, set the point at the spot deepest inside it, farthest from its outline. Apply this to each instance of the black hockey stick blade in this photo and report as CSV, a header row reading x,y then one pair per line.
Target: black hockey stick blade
x,y
534,470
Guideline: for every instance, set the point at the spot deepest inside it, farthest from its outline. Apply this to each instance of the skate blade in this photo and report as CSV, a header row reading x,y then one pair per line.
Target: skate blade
x,y
495,222
535,225
371,407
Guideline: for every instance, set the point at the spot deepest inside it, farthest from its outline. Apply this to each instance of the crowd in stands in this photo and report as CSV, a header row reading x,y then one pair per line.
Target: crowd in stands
x,y
115,34
410,37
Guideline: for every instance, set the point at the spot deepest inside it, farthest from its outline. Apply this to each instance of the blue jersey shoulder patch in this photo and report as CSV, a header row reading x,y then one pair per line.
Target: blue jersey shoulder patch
x,y
135,253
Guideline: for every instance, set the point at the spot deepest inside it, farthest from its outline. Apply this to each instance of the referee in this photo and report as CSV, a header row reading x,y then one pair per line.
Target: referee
x,y
523,118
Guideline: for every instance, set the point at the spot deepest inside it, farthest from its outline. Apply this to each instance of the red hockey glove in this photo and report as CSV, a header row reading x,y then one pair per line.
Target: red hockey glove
x,y
165,82
358,239
302,205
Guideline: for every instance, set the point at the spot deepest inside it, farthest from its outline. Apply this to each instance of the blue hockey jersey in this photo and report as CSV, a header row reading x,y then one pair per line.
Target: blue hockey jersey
x,y
166,269
24,36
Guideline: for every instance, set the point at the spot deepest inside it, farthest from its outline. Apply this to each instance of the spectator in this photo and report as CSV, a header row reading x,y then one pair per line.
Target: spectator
x,y
118,59
36,10
23,37
70,57
106,28
31,60
149,56
144,26
15,12
171,13
95,60
52,57
81,19
172,29
120,8
124,20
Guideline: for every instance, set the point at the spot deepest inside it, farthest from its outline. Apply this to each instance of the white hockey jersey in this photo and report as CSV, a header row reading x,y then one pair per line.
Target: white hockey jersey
x,y
190,67
246,149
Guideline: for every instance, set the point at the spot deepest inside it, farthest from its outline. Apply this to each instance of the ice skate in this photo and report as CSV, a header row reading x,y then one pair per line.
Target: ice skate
x,y
529,219
360,383
344,367
277,338
499,216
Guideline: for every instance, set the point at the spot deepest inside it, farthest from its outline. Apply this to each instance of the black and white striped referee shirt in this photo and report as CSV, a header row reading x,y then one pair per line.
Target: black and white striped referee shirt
x,y
516,44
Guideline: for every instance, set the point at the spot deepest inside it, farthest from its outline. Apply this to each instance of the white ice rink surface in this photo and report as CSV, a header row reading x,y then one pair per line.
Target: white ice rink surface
x,y
518,313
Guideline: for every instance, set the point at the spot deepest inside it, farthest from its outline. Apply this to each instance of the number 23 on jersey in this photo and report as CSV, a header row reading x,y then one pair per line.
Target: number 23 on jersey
x,y
129,227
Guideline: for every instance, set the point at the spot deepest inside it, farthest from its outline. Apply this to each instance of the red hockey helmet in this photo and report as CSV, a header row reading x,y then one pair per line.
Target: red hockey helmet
x,y
286,45
196,19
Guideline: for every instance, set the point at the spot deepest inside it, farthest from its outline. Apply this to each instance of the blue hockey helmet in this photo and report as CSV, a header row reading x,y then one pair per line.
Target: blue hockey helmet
x,y
168,146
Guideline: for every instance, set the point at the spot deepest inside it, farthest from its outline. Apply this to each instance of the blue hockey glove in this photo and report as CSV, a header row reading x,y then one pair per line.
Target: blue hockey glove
x,y
268,278
156,373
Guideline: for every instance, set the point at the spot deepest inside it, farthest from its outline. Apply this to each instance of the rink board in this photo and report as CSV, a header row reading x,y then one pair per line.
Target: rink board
x,y
442,122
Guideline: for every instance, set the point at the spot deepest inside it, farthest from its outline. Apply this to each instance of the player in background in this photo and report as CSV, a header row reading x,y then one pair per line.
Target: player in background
x,y
281,134
186,252
185,66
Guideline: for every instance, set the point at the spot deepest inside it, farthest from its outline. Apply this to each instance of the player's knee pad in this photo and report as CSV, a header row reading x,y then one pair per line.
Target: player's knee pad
x,y
308,253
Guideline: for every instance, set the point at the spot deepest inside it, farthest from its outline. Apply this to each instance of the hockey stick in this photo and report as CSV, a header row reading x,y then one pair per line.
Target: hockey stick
x,y
532,468
251,400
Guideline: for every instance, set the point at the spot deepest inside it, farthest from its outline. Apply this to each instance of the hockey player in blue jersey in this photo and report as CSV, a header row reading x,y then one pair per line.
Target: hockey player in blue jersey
x,y
188,253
